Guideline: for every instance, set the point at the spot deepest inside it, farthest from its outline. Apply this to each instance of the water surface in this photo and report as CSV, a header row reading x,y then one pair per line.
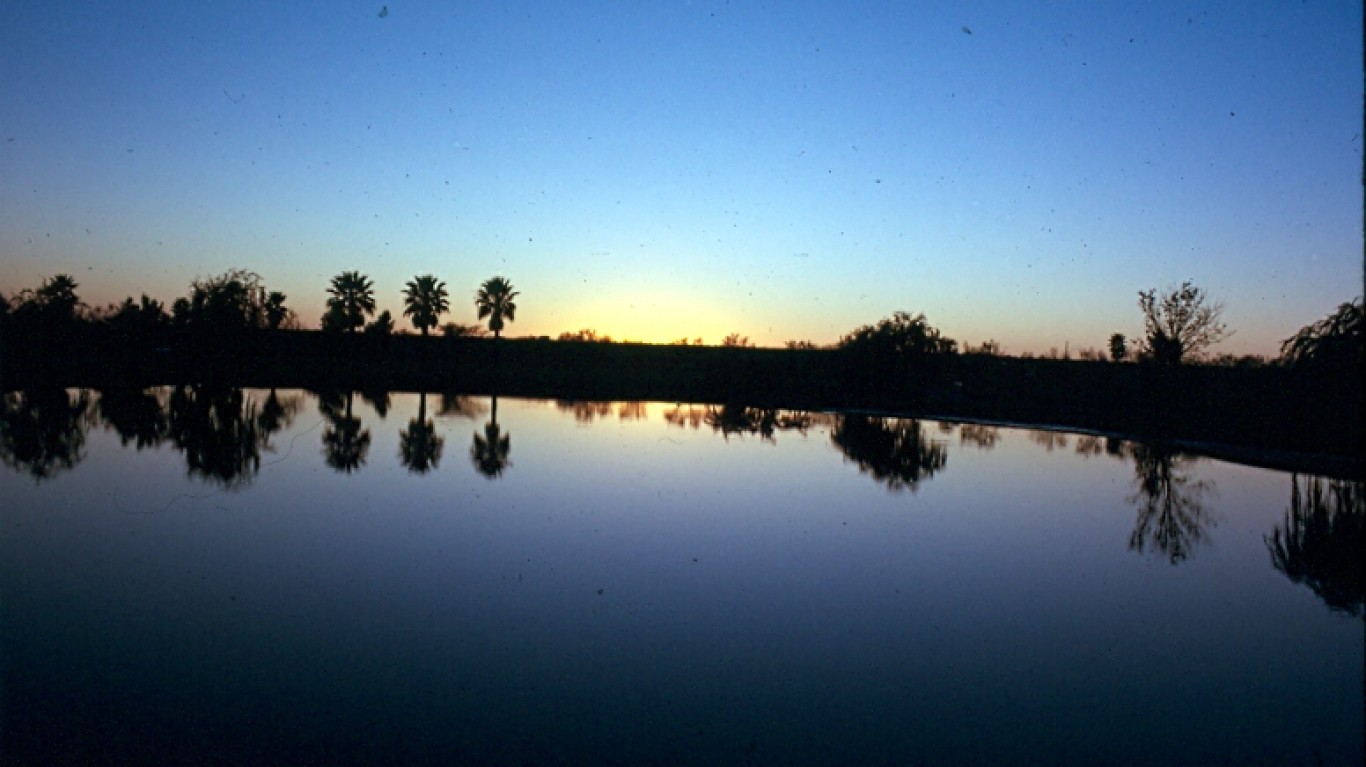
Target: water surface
x,y
247,576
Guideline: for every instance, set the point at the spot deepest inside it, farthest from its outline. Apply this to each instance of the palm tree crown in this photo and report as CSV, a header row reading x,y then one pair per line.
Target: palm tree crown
x,y
424,299
494,300
353,299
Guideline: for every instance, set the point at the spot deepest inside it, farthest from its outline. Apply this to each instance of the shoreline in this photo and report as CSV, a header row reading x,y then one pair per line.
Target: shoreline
x,y
1266,416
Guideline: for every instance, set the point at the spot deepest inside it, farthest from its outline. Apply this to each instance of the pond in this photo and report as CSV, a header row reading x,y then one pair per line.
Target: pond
x,y
246,576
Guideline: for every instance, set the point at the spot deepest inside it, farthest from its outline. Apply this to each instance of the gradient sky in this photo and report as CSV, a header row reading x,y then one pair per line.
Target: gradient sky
x,y
656,170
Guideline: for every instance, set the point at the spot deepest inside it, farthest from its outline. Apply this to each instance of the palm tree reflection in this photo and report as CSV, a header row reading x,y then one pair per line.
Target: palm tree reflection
x,y
1322,543
42,431
1172,515
894,451
419,446
345,443
489,451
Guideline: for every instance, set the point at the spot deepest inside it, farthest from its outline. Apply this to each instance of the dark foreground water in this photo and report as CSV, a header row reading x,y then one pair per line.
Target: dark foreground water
x,y
225,577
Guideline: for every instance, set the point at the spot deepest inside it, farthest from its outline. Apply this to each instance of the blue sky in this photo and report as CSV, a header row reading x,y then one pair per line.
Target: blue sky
x,y
692,169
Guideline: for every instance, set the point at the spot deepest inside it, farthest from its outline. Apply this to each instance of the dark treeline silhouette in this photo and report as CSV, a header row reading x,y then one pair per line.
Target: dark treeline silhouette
x,y
234,331
1322,542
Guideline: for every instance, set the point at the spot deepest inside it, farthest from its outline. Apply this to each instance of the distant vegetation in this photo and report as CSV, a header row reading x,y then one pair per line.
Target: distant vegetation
x,y
1179,324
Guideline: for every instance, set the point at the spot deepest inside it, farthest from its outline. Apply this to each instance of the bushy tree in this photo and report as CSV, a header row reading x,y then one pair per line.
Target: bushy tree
x,y
1180,323
1118,349
899,335
382,325
735,340
233,301
1334,343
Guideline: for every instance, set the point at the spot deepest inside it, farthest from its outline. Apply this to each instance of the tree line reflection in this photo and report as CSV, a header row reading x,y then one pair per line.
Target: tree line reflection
x,y
223,432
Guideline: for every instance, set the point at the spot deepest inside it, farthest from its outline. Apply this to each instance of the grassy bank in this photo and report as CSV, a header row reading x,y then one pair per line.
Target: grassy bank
x,y
1248,408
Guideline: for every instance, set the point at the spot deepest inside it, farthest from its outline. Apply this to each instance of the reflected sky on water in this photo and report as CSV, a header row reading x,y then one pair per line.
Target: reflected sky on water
x,y
295,576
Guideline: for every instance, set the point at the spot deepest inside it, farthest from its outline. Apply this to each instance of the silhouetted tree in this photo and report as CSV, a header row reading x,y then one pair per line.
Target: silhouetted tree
x,y
425,300
277,314
1332,345
42,431
457,330
352,300
899,335
489,451
345,443
736,340
1172,516
231,302
419,446
1179,324
894,451
138,319
1118,349
494,301
47,315
383,325
1322,542
57,296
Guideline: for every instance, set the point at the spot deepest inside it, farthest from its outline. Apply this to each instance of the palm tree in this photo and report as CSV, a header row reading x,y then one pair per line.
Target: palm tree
x,y
424,299
276,311
353,299
494,300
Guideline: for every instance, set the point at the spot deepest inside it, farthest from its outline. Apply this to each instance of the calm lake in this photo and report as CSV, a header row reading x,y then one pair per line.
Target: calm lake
x,y
228,576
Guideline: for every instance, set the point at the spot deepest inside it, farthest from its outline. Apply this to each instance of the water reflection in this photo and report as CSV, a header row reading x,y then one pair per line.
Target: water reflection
x,y
1322,542
455,405
894,451
345,442
489,451
740,420
419,446
278,412
978,435
137,416
588,411
42,431
220,432
1172,515
378,399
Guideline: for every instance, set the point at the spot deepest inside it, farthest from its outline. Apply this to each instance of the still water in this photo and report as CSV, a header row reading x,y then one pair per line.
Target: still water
x,y
235,576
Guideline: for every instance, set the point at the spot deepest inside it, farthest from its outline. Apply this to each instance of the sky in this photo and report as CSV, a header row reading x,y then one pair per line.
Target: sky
x,y
1014,171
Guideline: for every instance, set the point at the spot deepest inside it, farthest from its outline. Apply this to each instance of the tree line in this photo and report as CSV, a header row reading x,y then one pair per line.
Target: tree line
x,y
1179,324
238,301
